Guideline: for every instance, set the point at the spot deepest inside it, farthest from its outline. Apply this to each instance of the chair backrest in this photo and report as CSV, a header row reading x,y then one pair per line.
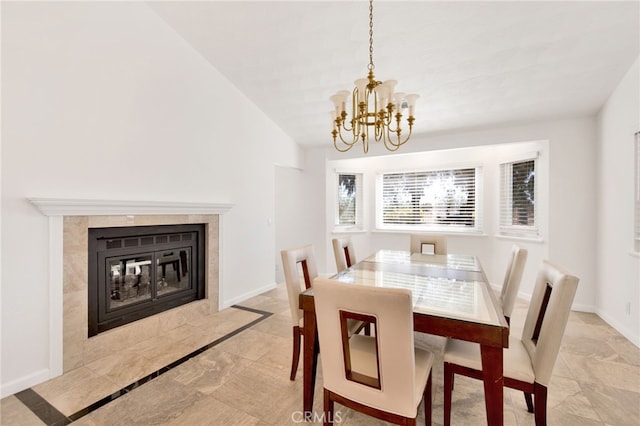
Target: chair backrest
x,y
344,253
296,260
547,318
386,359
437,243
512,279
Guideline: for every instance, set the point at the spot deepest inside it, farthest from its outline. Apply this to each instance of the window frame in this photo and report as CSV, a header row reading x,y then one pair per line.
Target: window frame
x,y
478,216
359,202
506,228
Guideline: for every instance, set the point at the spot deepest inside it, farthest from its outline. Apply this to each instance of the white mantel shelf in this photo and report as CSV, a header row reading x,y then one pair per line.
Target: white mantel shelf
x,y
86,207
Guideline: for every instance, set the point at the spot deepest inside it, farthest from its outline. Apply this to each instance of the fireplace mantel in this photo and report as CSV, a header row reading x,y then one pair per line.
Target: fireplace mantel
x,y
56,209
89,207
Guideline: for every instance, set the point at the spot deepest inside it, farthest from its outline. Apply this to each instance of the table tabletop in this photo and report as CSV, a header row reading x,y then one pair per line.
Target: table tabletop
x,y
450,286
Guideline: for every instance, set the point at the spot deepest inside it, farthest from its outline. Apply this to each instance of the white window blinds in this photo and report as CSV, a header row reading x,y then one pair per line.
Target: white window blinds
x,y
431,200
518,189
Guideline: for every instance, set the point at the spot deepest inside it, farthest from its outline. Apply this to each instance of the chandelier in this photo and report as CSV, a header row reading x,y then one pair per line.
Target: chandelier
x,y
373,104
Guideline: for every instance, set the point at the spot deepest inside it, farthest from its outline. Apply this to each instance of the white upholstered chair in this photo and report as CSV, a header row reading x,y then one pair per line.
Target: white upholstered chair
x,y
300,271
512,280
428,244
294,261
529,361
344,253
382,375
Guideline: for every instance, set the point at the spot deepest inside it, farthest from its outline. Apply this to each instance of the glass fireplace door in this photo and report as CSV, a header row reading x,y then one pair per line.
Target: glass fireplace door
x,y
172,271
130,280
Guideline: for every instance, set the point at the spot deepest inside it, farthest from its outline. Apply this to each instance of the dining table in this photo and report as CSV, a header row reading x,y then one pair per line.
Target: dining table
x,y
451,297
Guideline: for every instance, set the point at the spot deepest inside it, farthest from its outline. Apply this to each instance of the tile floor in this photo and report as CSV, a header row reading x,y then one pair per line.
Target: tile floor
x,y
241,377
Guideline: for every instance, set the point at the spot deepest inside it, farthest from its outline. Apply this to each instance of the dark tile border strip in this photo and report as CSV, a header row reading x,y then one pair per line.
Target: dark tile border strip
x,y
41,408
52,417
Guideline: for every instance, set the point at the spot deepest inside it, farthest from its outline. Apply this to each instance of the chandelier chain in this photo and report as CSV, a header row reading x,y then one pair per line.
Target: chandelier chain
x,y
371,66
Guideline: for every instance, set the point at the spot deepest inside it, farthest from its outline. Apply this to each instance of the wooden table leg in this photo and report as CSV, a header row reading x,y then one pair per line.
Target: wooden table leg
x,y
493,384
310,361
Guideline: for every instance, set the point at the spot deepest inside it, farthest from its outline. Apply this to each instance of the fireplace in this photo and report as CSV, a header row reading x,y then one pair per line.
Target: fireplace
x,y
138,271
70,347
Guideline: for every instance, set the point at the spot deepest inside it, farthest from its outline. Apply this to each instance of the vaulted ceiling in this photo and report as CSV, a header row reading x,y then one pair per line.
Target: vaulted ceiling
x,y
473,63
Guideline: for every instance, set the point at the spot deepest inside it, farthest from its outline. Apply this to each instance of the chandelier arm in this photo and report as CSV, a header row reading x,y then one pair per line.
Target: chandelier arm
x,y
398,120
349,144
344,125
391,145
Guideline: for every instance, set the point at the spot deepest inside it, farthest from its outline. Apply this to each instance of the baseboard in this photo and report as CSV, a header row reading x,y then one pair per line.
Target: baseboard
x,y
578,307
24,382
620,328
245,296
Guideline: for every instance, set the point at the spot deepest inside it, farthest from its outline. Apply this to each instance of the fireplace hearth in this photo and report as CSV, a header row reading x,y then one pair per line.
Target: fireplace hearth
x,y
138,271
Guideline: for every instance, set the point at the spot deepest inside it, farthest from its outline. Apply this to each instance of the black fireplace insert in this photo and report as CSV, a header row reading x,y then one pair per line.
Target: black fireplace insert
x,y
139,271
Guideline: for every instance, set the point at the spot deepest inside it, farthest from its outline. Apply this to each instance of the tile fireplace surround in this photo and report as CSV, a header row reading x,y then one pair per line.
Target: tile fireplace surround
x,y
69,223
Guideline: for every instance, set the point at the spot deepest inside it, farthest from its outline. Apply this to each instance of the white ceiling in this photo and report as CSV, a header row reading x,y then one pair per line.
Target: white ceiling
x,y
472,63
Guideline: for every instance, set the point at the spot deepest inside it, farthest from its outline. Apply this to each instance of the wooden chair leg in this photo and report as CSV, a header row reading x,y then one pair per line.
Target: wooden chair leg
x,y
297,336
328,408
448,390
529,400
540,394
427,401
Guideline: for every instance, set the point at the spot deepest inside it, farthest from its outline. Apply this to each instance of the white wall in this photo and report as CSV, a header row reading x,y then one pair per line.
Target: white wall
x,y
618,293
571,156
300,210
292,216
103,100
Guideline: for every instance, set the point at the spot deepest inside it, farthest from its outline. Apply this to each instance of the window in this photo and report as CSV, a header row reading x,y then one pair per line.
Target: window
x,y
444,200
518,199
349,200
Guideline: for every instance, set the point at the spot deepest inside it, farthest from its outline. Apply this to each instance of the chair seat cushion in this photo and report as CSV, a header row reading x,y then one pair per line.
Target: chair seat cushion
x,y
517,363
424,362
363,361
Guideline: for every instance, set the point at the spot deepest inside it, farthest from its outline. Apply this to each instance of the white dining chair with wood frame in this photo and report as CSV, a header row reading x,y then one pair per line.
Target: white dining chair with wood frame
x,y
528,361
382,375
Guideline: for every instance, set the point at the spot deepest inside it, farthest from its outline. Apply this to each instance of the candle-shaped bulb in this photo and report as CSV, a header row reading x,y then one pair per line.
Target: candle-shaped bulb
x,y
398,98
343,94
382,90
336,99
361,87
391,84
